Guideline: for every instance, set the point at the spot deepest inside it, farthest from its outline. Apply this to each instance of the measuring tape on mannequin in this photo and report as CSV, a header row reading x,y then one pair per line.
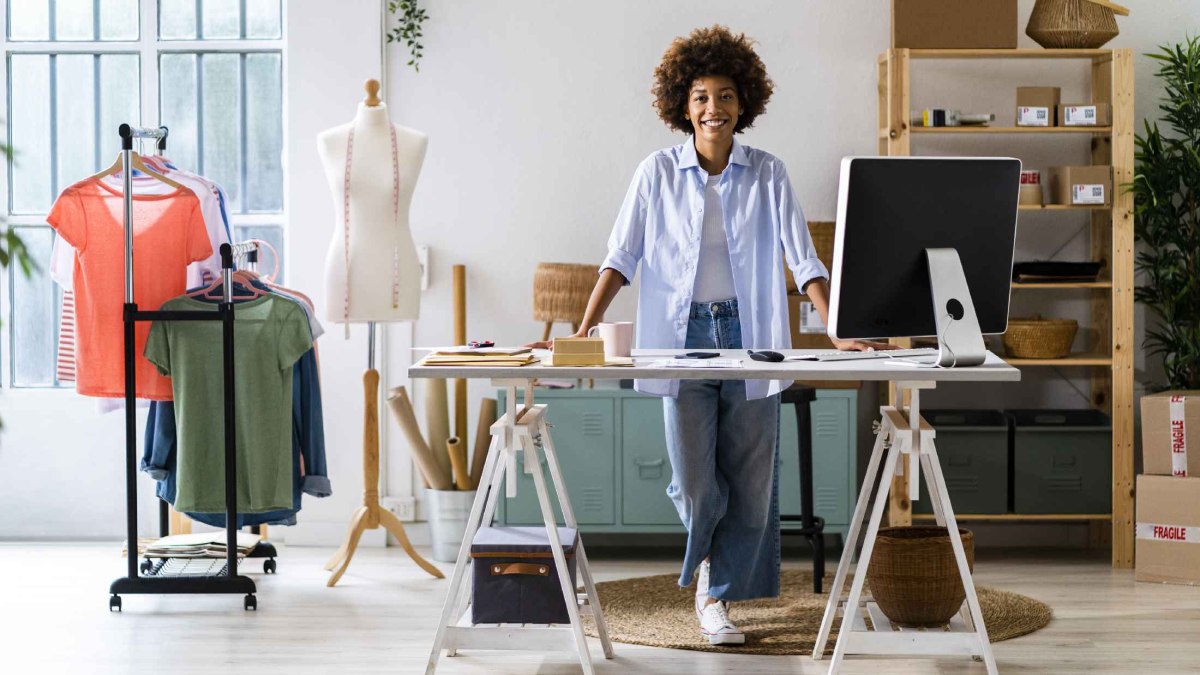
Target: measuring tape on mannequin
x,y
1178,437
1179,533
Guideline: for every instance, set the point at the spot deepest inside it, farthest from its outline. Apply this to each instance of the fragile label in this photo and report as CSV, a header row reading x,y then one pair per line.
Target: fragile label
x,y
1087,194
1079,116
1178,437
1187,534
1033,116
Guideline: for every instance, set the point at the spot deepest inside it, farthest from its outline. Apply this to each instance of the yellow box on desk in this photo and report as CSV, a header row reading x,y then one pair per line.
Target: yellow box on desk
x,y
1168,530
581,351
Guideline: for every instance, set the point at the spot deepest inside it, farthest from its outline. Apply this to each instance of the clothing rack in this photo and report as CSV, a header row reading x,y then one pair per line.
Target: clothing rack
x,y
162,577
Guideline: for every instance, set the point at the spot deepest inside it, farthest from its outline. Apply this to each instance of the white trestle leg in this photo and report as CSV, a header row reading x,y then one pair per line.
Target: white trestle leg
x,y
521,430
966,634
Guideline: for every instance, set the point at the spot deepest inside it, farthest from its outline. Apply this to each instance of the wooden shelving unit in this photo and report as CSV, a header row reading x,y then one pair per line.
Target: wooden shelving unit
x,y
1023,517
1111,359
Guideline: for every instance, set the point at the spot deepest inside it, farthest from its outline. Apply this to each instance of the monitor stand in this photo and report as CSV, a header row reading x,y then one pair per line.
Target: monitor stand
x,y
960,341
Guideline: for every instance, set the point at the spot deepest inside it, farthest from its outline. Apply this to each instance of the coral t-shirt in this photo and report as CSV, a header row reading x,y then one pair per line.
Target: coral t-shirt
x,y
168,234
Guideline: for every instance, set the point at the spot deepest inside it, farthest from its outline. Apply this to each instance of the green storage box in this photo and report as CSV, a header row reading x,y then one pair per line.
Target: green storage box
x,y
1062,461
972,447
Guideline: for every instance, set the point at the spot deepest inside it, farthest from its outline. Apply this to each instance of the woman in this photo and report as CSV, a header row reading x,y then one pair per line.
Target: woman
x,y
710,221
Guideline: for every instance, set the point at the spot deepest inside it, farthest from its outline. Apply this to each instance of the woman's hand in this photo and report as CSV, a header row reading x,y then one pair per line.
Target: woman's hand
x,y
549,344
862,345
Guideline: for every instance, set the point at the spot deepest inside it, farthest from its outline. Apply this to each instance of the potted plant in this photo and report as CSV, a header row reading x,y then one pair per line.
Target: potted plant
x,y
1166,189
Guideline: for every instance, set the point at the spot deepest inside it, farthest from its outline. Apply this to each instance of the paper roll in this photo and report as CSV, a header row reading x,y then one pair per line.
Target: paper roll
x,y
422,456
457,452
437,421
483,438
460,338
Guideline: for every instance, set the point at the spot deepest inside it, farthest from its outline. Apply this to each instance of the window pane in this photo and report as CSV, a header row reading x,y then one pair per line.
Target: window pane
x,y
120,102
75,77
29,132
29,20
119,20
263,20
177,87
221,19
73,19
177,19
35,310
264,133
220,134
273,235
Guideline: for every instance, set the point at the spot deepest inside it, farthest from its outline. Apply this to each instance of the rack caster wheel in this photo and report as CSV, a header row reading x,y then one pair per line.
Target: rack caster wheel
x,y
250,603
146,566
269,566
114,603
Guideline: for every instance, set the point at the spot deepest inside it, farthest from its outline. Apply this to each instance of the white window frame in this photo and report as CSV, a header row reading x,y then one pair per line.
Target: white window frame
x,y
148,47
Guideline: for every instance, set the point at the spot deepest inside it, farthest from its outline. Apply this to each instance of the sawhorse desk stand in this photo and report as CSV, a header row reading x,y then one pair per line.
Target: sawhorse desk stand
x,y
521,430
908,441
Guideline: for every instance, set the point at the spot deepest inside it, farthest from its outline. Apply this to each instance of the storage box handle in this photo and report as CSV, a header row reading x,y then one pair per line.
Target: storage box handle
x,y
1050,419
502,569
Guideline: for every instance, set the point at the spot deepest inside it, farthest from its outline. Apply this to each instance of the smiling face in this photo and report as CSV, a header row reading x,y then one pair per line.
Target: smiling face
x,y
713,108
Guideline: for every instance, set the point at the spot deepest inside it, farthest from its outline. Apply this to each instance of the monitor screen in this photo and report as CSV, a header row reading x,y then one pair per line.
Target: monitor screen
x,y
890,209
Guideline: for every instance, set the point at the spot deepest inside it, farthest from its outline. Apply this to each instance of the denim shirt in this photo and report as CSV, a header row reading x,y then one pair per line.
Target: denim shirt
x,y
660,224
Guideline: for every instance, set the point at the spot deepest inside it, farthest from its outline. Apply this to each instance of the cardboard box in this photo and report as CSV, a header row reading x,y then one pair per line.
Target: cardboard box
x,y
954,24
1080,184
1037,106
1085,115
1167,548
1171,433
803,340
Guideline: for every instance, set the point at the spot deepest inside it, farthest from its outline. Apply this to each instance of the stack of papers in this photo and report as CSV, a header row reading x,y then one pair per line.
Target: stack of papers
x,y
203,545
696,363
478,356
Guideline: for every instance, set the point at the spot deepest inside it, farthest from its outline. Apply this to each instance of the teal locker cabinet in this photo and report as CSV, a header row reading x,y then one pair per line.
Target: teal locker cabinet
x,y
613,453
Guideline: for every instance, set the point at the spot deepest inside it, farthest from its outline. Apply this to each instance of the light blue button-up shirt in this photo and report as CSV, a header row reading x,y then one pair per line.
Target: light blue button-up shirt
x,y
660,225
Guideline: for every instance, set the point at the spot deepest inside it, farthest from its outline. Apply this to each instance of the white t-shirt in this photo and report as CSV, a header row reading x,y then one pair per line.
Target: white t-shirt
x,y
714,273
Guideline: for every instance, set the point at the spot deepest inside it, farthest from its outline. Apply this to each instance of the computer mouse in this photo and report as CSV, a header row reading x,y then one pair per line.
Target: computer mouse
x,y
765,355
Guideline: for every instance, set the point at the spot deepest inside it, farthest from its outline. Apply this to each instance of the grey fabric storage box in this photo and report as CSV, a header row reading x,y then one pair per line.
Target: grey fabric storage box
x,y
1062,461
515,579
972,447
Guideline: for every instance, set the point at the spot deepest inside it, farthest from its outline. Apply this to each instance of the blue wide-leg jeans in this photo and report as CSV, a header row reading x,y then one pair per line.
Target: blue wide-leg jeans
x,y
724,453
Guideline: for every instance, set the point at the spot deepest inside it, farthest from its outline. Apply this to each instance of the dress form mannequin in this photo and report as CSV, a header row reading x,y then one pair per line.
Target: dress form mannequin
x,y
383,274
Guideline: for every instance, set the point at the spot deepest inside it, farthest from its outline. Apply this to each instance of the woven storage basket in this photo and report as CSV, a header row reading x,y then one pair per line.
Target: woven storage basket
x,y
1071,24
561,291
913,575
1039,338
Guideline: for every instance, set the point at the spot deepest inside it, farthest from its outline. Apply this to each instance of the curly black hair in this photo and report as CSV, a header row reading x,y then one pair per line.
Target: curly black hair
x,y
706,52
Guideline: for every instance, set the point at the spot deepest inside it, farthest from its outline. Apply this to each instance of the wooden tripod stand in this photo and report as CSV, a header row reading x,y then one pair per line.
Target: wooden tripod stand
x,y
371,514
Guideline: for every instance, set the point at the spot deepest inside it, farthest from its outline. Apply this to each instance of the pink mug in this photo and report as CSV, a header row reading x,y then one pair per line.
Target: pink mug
x,y
617,336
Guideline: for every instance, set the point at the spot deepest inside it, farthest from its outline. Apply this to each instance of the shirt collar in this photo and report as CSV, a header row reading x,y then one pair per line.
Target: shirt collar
x,y
689,159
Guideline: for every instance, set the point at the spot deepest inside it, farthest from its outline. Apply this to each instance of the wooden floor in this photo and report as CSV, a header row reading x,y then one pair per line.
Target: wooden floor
x,y
381,618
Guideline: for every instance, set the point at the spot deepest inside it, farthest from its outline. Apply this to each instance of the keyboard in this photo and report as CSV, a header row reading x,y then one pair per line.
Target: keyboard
x,y
918,354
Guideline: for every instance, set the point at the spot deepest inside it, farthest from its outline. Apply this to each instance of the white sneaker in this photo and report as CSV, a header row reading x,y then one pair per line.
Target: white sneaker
x,y
716,626
702,588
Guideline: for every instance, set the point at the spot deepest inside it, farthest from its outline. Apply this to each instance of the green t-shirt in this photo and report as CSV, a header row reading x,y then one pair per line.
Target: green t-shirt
x,y
270,334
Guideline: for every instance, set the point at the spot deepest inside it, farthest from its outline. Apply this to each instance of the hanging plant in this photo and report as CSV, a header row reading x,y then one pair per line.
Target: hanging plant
x,y
1166,187
408,29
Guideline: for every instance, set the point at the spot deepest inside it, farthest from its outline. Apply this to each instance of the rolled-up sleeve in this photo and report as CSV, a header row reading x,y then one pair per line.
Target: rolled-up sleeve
x,y
625,244
798,248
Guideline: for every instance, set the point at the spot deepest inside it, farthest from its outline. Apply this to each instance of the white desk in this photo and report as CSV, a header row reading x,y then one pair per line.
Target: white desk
x,y
901,433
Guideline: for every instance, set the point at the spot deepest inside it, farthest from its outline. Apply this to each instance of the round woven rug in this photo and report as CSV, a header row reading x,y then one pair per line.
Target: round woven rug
x,y
654,611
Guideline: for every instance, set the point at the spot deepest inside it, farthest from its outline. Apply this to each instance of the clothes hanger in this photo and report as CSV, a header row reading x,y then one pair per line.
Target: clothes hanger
x,y
138,164
242,277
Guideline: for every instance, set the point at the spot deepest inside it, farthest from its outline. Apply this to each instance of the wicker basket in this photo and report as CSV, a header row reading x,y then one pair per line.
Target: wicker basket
x,y
1068,24
561,291
914,577
1039,338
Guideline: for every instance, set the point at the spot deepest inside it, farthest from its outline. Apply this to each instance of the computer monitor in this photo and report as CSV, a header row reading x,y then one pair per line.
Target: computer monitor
x,y
924,248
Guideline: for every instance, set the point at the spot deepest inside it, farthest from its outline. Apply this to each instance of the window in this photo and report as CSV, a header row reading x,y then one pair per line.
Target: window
x,y
209,70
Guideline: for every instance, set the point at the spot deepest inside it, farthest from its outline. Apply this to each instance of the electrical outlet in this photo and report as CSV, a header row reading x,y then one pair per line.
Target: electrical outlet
x,y
404,508
423,259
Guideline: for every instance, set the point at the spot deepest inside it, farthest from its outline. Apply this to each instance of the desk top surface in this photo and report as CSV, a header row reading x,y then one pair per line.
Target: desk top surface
x,y
878,370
